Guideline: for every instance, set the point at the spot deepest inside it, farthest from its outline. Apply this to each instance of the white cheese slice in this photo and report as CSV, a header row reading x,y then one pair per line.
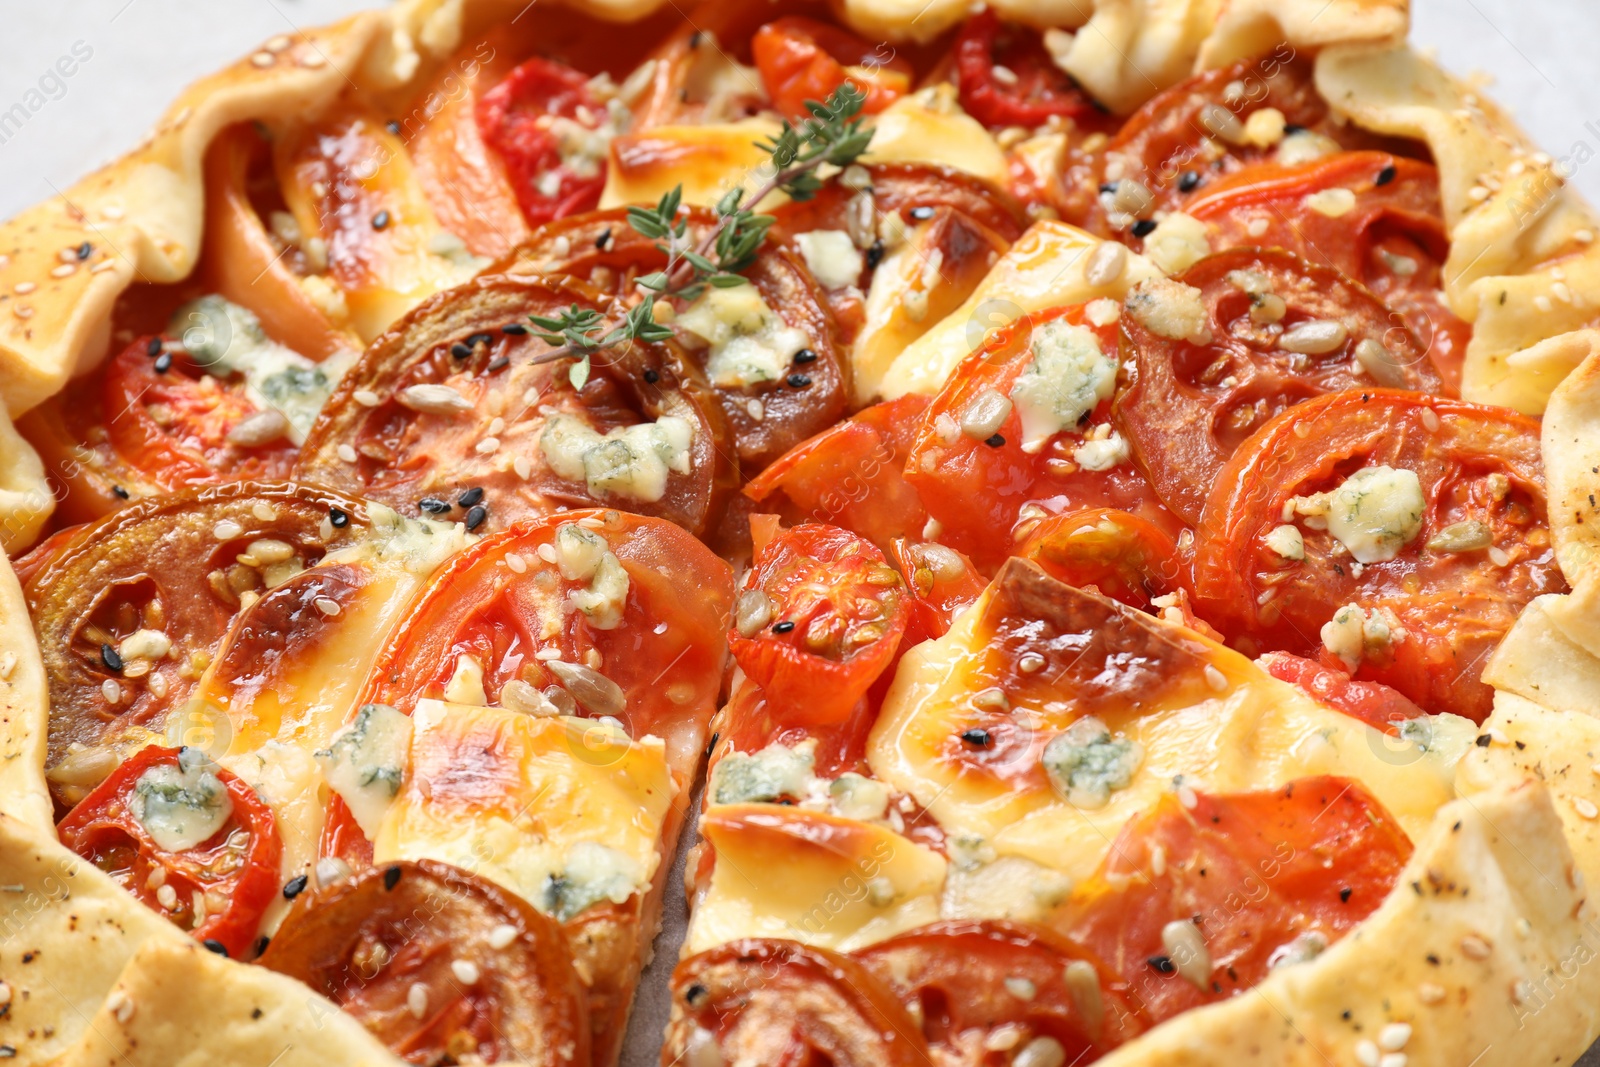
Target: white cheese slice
x,y
629,461
750,342
365,762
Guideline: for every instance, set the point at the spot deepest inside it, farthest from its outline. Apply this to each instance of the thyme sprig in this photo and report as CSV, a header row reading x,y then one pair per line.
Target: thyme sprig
x,y
833,136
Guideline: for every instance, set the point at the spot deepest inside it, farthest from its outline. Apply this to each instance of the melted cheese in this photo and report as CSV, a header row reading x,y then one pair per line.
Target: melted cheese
x,y
843,884
1044,269
1240,729
928,126
565,812
706,160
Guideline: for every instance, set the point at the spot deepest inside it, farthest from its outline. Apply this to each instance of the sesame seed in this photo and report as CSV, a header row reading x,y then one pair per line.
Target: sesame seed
x,y
921,214
339,517
24,288
226,530
279,43
118,1004
1143,228
476,516
1215,678
517,564
1187,797
153,347
213,945
786,626
346,453
1188,181
1585,807
417,1000
327,605
976,737
514,329
523,467
799,381
651,376
1474,947
498,363
433,505
294,887
63,271
103,266
502,936
68,254
1386,175
1430,994
1393,1059
366,398
1367,1052
391,877
805,355
110,658
461,351
22,312
465,971
1393,1038
311,60
380,221
163,363
470,497
995,440
167,896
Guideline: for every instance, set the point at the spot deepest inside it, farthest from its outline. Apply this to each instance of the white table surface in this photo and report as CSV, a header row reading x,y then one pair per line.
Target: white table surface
x,y
140,53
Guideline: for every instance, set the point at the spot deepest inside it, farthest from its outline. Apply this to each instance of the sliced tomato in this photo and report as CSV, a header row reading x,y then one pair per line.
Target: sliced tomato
x,y
851,475
1196,904
221,885
541,120
781,1002
899,189
1190,405
1007,78
1110,552
940,584
1372,215
1478,552
820,618
976,487
1374,704
371,943
752,719
969,982
465,419
803,61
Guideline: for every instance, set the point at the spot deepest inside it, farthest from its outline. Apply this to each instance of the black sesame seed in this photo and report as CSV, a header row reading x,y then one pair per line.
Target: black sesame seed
x,y
393,127
461,351
1386,175
1162,963
163,363
121,493
433,505
110,658
604,239
1483,741
498,363
8,1051
380,221
470,497
216,946
783,627
875,254
651,376
294,887
339,517
996,441
1344,895
391,877
480,339
85,250
805,355
1109,187
515,329
976,736
153,348
1188,181
695,38
1291,127
696,995
261,948
921,214
798,381
1144,227
476,516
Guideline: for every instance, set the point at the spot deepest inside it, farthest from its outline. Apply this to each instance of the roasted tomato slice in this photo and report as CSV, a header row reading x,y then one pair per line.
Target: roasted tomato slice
x,y
440,965
546,126
130,611
1373,703
1007,78
1196,903
783,1004
967,981
1406,531
940,584
448,413
772,358
820,618
1111,552
802,61
1373,215
1281,331
851,475
185,837
1026,421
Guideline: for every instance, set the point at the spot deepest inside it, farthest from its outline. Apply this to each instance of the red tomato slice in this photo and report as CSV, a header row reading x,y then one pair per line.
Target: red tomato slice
x,y
940,584
171,420
750,721
1374,704
541,107
1479,554
235,870
1033,91
1190,406
1391,238
802,60
820,618
968,980
851,475
1110,552
1250,873
976,487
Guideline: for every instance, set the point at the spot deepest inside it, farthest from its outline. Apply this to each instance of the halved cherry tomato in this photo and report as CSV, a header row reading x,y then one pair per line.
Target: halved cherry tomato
x,y
370,942
1374,704
940,584
1372,215
1190,405
1262,878
1478,552
1112,552
1031,92
461,407
781,1002
820,618
220,887
976,487
543,120
851,475
766,417
967,981
802,60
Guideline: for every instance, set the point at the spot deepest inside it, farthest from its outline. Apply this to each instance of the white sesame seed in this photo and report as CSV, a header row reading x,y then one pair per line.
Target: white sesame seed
x,y
279,43
487,445
1477,194
1367,1053
103,266
1543,303
1187,797
226,530
167,896
1393,1038
1257,226
417,1000
466,971
502,935
63,271
326,605
346,453
5,994
24,288
120,1006
1393,1059
1107,263
112,212
263,59
1430,419
497,426
1584,237
1498,556
68,254
311,59
1474,947
1215,678
523,466
517,564
1585,807
264,512
547,552
434,399
1318,337
366,398
8,663
1430,994
22,312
